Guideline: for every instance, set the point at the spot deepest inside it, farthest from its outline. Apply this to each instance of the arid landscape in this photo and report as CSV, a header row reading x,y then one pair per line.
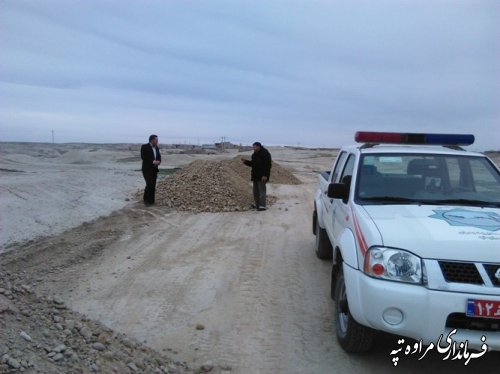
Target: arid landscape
x,y
93,281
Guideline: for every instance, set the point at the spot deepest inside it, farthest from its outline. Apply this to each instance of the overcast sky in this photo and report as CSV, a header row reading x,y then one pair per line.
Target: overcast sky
x,y
307,73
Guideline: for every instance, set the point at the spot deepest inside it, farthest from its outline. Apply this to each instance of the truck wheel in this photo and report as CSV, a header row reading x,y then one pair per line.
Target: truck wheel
x,y
353,337
323,246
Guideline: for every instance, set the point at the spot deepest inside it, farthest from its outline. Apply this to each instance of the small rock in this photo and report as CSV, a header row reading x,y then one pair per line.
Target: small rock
x,y
207,366
60,348
99,346
104,338
109,355
200,326
13,363
70,324
132,367
26,312
7,306
86,332
57,300
26,288
128,343
25,336
58,357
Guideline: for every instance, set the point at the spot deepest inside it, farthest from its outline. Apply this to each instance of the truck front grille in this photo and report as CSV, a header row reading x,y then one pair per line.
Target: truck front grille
x,y
460,272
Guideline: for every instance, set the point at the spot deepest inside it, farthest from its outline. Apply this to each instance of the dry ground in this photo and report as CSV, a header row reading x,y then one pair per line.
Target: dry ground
x,y
242,291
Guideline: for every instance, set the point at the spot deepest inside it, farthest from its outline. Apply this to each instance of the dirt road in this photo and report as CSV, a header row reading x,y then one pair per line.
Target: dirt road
x,y
243,290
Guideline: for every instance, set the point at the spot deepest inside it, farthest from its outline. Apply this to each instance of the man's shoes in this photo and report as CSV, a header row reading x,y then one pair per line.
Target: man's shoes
x,y
253,206
261,208
147,203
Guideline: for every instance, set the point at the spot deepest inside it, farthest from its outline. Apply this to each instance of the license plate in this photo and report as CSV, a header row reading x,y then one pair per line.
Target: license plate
x,y
483,308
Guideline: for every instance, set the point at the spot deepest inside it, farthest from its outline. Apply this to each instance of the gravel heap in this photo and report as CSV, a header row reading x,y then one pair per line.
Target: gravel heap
x,y
214,186
279,174
41,335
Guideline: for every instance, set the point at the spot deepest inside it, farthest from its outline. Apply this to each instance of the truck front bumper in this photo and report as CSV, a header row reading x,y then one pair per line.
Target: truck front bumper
x,y
413,310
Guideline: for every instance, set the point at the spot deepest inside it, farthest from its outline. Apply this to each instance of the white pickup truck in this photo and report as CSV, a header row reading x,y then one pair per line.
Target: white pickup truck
x,y
412,222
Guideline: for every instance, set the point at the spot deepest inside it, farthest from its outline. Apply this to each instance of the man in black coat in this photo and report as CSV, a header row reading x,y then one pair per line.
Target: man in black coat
x,y
261,171
151,158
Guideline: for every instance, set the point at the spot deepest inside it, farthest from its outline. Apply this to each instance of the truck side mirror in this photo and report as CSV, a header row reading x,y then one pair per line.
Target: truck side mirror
x,y
338,191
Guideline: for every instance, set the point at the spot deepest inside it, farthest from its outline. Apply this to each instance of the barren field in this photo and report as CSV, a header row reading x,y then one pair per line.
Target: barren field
x,y
165,290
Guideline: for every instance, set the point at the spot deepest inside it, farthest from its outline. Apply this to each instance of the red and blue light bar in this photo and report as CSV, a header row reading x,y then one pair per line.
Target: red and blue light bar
x,y
413,138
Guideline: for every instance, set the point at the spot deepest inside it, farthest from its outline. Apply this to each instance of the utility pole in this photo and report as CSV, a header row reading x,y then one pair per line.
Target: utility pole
x,y
223,141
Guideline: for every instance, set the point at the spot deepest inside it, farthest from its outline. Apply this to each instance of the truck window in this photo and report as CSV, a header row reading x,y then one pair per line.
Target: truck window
x,y
338,165
349,168
485,182
456,177
433,178
346,176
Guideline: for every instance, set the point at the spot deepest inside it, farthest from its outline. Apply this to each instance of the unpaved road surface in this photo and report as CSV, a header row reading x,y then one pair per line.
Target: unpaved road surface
x,y
242,290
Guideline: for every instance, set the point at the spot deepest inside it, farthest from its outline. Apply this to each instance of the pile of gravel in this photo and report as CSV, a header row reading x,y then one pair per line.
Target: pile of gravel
x,y
279,174
41,335
214,186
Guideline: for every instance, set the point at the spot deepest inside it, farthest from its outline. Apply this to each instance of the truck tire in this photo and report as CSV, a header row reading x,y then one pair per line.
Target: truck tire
x,y
314,221
353,337
323,247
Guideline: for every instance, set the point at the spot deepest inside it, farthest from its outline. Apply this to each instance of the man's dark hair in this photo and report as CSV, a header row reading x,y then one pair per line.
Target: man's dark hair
x,y
151,137
257,144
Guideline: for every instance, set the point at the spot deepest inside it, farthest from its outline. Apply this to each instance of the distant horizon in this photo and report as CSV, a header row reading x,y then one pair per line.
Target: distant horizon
x,y
468,148
162,144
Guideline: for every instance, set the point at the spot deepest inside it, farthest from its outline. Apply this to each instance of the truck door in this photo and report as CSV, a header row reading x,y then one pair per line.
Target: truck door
x,y
325,200
340,209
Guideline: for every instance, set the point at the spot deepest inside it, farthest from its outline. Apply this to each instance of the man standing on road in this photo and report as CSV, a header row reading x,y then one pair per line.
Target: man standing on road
x,y
261,170
151,158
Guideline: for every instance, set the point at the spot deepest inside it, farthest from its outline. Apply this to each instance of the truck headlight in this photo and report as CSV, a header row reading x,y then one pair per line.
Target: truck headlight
x,y
393,264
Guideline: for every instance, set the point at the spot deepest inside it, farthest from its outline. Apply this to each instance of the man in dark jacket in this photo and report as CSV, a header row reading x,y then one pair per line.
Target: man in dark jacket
x,y
261,171
151,158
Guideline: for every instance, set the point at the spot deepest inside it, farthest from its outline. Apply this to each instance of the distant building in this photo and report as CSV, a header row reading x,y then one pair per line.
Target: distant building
x,y
226,145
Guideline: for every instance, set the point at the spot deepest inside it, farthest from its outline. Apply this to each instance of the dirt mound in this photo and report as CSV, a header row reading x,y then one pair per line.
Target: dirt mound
x,y
279,174
204,186
42,335
214,186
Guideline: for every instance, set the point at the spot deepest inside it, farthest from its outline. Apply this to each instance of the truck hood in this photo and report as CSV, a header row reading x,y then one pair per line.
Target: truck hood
x,y
440,232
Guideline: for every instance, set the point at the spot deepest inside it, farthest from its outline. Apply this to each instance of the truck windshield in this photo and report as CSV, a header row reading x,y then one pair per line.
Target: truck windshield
x,y
430,179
